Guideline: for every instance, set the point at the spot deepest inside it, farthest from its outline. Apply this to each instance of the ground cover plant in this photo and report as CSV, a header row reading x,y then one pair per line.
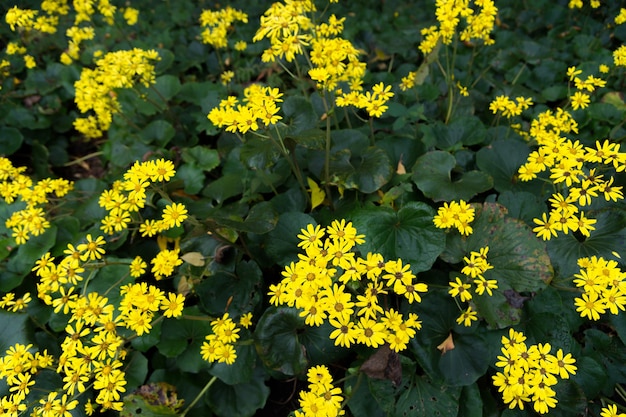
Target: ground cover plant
x,y
312,208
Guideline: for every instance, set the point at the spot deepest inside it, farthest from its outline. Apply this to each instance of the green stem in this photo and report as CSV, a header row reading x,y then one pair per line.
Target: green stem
x,y
84,158
291,160
327,151
200,395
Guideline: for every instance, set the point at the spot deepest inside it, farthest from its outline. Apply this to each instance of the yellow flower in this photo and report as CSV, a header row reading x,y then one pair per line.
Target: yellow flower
x,y
92,249
461,289
580,100
467,317
174,214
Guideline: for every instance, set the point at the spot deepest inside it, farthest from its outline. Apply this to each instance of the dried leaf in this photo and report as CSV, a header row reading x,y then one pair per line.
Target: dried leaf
x,y
193,258
384,364
446,345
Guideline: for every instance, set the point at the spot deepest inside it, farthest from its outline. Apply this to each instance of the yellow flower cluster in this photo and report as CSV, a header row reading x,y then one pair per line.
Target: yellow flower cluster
x,y
373,102
164,263
258,108
458,215
580,99
475,267
27,19
335,60
611,411
619,56
569,165
578,4
322,399
18,366
92,351
287,27
603,285
10,303
15,187
479,23
621,17
508,107
129,196
530,372
332,283
95,90
408,82
220,345
217,23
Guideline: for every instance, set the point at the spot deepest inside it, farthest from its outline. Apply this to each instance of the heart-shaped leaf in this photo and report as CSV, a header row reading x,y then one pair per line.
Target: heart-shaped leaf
x,y
408,233
432,173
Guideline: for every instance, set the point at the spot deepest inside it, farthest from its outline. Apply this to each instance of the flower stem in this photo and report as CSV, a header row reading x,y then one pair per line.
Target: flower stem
x,y
200,395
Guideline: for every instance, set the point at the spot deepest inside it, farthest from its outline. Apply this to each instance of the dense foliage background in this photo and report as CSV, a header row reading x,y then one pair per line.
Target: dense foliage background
x,y
165,165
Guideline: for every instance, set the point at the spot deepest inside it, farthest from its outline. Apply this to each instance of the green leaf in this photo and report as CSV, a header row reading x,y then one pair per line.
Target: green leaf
x,y
110,278
468,361
14,329
238,292
259,153
201,156
282,242
241,400
423,398
10,140
519,259
159,132
261,219
167,86
192,176
136,371
299,115
432,175
367,171
610,234
408,234
180,335
226,186
438,313
461,132
21,263
470,402
590,376
279,346
549,327
501,160
239,372
522,205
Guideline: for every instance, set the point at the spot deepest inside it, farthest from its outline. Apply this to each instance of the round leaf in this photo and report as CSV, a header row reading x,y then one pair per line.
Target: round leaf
x,y
408,233
432,175
10,140
279,347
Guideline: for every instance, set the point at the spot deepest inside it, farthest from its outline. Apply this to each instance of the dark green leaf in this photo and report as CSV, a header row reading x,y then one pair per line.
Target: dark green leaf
x,y
470,403
239,372
240,290
13,328
408,234
159,132
299,115
279,346
424,398
21,263
261,219
610,234
469,359
282,242
201,156
519,259
502,160
432,175
10,140
241,400
192,176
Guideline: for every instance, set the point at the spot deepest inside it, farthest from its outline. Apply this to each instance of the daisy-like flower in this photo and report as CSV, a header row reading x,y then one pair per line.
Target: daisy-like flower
x,y
91,250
